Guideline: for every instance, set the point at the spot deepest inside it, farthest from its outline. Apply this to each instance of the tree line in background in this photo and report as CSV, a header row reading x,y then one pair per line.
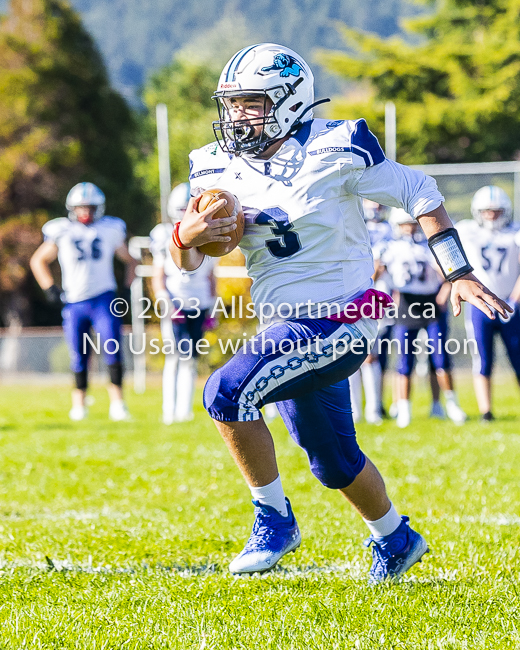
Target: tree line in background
x,y
457,92
148,32
60,123
456,88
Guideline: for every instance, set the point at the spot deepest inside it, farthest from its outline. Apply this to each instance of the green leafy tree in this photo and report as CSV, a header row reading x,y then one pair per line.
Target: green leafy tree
x,y
148,33
457,91
60,123
186,87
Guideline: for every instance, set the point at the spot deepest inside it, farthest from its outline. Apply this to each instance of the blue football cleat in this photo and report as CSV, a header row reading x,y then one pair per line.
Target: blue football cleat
x,y
396,553
272,537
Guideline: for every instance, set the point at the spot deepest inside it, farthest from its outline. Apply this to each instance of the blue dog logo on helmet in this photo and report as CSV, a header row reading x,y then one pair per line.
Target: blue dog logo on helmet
x,y
287,65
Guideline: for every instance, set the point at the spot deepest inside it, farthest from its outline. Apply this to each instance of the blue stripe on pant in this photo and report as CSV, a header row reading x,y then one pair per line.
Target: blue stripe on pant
x,y
308,383
79,318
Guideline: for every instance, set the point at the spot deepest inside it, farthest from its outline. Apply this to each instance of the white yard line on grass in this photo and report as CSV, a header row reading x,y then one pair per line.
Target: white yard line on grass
x,y
490,519
350,570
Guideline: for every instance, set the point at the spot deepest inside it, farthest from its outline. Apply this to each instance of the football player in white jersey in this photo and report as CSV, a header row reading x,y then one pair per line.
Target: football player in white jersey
x,y
187,300
301,182
370,375
85,244
492,242
415,275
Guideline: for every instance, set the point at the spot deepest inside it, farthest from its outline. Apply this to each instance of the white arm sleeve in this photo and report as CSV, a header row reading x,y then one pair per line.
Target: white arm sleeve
x,y
399,186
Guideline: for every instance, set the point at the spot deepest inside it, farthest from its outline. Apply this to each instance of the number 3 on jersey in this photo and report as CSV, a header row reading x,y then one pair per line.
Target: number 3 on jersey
x,y
287,242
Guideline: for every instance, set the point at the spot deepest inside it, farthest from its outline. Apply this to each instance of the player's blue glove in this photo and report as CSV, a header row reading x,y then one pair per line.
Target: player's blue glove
x,y
53,295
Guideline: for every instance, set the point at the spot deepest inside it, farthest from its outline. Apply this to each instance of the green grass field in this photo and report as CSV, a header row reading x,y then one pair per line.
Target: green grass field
x,y
118,535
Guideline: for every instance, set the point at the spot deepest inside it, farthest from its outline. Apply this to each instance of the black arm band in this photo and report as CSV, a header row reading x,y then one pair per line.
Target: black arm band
x,y
449,254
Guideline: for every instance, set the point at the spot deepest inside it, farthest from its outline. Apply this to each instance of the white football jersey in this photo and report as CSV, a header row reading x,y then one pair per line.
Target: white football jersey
x,y
379,232
305,236
181,285
494,254
411,266
86,254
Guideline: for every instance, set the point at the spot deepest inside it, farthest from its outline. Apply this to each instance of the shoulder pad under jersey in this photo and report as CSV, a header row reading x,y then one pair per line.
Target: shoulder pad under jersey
x,y
208,161
113,222
345,136
54,229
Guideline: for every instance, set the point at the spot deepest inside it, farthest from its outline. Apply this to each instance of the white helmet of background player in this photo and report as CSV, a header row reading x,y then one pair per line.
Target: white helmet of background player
x,y
399,217
492,198
272,72
84,194
178,202
373,211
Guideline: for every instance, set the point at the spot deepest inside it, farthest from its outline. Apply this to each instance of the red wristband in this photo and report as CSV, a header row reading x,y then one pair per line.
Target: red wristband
x,y
177,239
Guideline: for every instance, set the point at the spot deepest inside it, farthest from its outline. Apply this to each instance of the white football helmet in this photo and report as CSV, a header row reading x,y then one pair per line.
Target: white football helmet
x,y
178,202
275,73
398,217
85,194
373,211
492,197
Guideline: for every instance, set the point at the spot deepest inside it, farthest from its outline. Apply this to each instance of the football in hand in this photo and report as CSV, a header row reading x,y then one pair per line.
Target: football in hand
x,y
231,209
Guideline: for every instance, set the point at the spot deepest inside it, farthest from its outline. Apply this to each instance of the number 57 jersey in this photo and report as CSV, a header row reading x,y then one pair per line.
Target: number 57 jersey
x,y
494,254
305,237
86,254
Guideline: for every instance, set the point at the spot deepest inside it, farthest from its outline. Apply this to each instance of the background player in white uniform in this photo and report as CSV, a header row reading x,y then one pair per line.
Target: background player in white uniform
x,y
300,182
492,242
193,295
370,375
85,244
415,275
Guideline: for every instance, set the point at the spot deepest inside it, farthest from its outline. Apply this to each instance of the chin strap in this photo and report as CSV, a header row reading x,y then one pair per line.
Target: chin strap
x,y
299,122
263,146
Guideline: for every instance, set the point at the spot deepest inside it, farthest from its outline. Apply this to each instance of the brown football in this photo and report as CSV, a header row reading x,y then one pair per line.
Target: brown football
x,y
232,208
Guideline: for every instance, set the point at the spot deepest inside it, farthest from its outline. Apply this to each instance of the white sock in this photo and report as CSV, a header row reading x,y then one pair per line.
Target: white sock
x,y
386,525
271,495
186,376
356,394
450,396
171,362
371,374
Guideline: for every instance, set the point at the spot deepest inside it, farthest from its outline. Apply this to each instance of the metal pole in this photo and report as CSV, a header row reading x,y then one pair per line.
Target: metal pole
x,y
135,247
390,131
163,145
516,196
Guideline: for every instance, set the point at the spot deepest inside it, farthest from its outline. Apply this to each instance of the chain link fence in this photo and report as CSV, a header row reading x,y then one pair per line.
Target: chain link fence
x,y
41,352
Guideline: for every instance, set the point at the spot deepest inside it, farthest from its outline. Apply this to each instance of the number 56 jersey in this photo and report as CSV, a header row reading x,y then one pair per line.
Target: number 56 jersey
x,y
305,237
86,254
494,254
